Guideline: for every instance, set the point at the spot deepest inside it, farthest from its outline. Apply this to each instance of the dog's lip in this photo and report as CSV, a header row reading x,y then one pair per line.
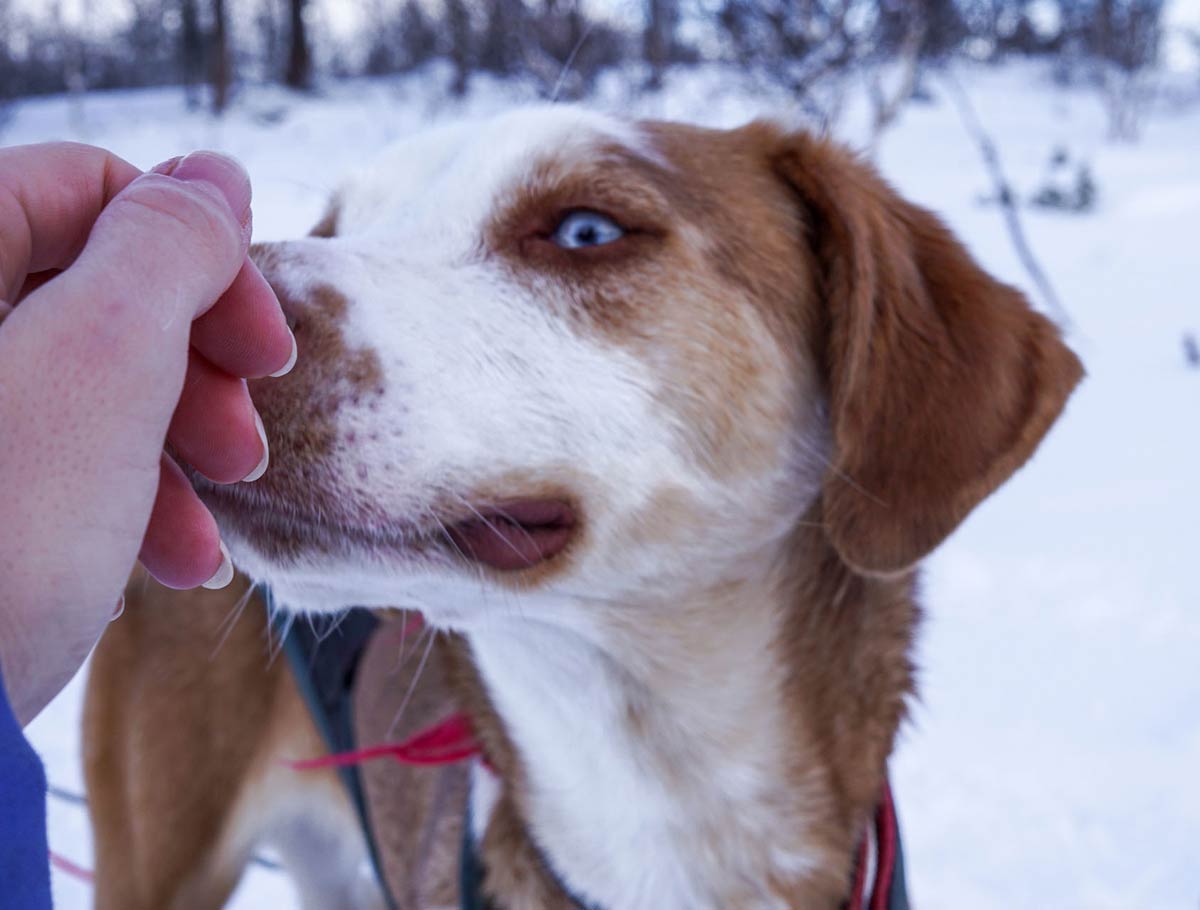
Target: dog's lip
x,y
506,535
517,534
255,512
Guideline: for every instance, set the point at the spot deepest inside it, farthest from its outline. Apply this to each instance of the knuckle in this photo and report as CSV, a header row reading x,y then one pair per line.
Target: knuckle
x,y
177,212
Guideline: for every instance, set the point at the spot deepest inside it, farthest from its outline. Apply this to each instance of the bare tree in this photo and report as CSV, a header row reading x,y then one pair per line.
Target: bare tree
x,y
1113,45
886,105
266,21
1126,35
418,36
72,55
462,38
7,63
1007,200
191,52
810,48
220,62
658,38
567,49
501,49
299,65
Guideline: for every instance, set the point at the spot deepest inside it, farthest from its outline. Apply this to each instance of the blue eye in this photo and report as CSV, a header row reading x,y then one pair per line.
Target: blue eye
x,y
583,228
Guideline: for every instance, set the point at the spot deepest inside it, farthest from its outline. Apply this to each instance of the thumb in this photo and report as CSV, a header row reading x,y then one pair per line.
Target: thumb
x,y
168,245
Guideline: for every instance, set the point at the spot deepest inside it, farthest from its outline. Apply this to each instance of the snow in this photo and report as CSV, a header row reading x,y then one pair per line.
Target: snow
x,y
1051,761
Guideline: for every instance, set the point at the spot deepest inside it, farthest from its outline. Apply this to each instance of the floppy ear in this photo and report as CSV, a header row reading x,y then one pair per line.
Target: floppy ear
x,y
941,380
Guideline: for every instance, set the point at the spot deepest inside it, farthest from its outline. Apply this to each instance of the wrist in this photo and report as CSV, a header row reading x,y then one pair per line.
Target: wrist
x,y
39,654
14,670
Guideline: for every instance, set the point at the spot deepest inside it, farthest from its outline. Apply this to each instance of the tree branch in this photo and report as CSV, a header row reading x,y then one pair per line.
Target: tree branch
x,y
1007,200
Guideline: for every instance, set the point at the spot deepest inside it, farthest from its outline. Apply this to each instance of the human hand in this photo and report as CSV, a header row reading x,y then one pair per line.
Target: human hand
x,y
129,314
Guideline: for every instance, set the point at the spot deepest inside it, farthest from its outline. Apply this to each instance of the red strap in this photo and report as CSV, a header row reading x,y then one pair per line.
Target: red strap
x,y
860,877
62,864
449,741
885,838
453,740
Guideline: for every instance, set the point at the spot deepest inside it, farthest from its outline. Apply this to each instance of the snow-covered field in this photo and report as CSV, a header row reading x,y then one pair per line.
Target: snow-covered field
x,y
1053,759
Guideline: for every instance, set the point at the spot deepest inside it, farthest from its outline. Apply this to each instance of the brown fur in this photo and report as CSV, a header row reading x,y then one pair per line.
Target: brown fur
x,y
172,746
939,382
300,415
416,814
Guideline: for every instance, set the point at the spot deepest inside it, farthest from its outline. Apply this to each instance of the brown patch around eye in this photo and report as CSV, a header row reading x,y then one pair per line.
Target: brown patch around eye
x,y
528,218
542,247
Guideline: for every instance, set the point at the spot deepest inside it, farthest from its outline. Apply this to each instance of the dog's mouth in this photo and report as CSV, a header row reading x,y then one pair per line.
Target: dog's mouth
x,y
518,535
507,535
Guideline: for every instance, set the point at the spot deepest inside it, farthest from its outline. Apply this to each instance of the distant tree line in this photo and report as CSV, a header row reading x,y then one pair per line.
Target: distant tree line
x,y
163,42
807,46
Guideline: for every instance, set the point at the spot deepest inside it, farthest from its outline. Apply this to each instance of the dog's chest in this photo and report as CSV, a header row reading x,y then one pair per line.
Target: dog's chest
x,y
629,810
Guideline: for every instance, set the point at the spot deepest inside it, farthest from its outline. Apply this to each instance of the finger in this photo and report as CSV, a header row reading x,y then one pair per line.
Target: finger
x,y
216,428
50,195
182,547
245,333
114,327
35,280
181,237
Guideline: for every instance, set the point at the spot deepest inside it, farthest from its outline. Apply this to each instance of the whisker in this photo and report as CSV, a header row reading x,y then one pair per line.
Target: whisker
x,y
229,623
837,472
403,640
274,650
412,687
334,624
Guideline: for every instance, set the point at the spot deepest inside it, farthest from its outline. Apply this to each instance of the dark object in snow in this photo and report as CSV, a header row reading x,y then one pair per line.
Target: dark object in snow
x,y
1191,350
270,116
1067,187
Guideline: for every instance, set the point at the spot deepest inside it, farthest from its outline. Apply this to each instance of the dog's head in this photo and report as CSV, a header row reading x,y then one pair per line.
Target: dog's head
x,y
558,353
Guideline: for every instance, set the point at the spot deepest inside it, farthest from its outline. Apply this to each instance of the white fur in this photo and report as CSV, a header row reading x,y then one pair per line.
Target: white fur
x,y
318,837
483,378
480,378
676,820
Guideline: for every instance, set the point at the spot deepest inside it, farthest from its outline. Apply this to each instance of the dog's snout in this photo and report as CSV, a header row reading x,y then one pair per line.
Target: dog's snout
x,y
304,411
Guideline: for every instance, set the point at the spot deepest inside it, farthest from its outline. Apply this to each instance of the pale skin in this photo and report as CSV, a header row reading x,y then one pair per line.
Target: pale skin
x,y
130,318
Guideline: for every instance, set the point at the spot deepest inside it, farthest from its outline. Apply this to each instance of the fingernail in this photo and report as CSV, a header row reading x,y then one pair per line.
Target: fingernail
x,y
224,574
261,467
221,172
118,610
287,367
167,167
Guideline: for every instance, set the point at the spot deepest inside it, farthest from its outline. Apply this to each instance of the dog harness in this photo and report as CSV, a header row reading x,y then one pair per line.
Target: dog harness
x,y
325,665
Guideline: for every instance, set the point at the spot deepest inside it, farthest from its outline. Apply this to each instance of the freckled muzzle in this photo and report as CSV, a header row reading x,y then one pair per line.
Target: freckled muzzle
x,y
316,499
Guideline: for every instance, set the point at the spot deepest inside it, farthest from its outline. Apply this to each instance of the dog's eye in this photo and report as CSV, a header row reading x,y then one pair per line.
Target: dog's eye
x,y
583,228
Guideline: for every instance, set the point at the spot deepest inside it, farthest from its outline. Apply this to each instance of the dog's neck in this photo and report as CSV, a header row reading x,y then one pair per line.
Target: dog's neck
x,y
664,758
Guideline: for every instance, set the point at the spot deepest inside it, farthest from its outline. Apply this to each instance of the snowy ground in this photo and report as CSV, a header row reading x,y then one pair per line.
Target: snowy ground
x,y
1052,760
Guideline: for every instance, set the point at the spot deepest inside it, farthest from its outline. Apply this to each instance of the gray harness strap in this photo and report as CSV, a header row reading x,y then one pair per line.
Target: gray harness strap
x,y
324,666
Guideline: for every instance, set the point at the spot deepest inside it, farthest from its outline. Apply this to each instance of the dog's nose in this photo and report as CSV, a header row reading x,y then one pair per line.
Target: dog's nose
x,y
268,256
302,410
293,405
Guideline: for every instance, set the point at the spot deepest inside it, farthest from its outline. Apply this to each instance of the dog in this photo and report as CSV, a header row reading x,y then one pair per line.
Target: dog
x,y
653,425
